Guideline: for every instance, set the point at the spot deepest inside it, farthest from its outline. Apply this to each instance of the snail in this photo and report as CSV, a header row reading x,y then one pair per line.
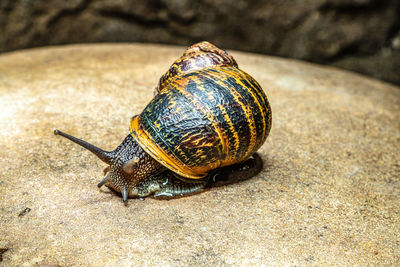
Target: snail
x,y
207,118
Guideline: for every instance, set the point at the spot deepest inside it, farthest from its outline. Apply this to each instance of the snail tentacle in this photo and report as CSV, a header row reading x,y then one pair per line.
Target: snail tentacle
x,y
124,192
102,182
105,156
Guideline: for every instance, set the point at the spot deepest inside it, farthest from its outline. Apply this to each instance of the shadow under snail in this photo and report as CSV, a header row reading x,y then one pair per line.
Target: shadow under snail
x,y
207,118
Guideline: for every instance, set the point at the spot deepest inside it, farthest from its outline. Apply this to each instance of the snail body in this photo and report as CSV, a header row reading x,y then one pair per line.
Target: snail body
x,y
207,117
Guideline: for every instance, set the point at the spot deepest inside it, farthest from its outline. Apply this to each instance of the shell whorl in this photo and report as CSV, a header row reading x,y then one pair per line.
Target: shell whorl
x,y
196,57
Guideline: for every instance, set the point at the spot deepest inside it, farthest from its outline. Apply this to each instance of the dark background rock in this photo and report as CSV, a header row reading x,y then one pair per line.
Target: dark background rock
x,y
360,35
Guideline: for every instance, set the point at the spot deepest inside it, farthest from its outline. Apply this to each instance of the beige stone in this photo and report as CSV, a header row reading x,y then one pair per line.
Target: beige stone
x,y
329,192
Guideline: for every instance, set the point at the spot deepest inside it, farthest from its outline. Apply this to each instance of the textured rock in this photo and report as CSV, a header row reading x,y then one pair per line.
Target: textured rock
x,y
329,192
348,33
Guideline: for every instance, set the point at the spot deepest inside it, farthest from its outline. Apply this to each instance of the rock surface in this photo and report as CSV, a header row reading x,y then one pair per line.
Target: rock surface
x,y
361,35
329,192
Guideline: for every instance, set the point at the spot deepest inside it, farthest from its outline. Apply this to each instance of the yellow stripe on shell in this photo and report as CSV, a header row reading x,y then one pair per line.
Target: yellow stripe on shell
x,y
235,134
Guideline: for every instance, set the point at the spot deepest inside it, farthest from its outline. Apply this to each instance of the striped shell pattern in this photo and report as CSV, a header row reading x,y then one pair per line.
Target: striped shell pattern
x,y
207,114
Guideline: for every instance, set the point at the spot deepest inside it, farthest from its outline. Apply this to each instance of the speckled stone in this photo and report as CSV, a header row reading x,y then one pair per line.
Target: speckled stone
x,y
329,193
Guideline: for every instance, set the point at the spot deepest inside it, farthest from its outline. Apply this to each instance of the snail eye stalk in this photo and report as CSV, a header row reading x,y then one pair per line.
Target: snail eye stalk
x,y
106,156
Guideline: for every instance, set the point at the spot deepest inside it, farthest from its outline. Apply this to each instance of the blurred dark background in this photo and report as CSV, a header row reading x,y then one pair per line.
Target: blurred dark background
x,y
359,35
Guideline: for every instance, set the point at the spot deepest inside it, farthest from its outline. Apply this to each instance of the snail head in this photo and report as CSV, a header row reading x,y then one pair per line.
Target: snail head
x,y
128,164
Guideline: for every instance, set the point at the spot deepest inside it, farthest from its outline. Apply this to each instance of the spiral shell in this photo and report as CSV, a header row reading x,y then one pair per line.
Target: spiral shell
x,y
205,116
